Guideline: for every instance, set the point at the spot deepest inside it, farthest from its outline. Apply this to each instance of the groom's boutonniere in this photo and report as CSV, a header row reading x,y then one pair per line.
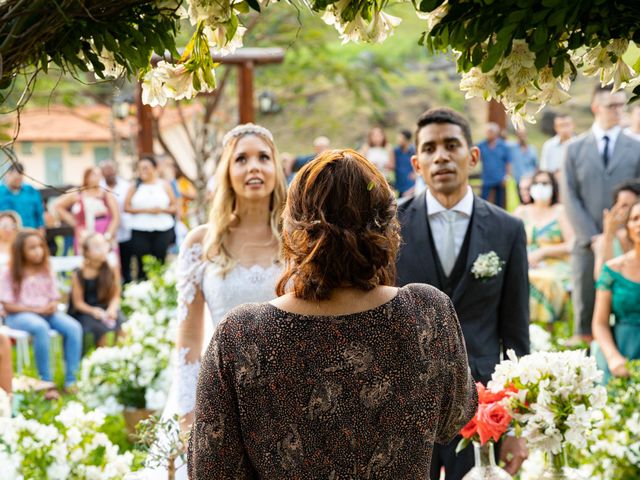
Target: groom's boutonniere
x,y
487,265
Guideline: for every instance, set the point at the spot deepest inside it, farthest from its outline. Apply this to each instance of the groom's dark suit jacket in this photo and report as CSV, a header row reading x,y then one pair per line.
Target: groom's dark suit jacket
x,y
493,313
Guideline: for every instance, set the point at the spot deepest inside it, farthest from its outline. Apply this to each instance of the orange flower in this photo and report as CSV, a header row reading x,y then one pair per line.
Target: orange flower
x,y
470,429
487,396
493,420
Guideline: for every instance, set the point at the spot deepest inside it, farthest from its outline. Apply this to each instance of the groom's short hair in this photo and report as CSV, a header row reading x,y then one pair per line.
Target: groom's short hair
x,y
444,115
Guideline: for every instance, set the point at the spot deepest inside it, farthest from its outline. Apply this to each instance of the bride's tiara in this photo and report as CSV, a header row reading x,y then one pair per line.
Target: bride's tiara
x,y
246,129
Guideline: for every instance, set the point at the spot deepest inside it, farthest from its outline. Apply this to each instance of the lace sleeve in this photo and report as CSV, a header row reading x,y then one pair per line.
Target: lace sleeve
x,y
190,327
606,279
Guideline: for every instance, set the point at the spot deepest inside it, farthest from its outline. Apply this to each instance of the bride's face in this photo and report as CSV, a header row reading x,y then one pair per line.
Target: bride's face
x,y
252,169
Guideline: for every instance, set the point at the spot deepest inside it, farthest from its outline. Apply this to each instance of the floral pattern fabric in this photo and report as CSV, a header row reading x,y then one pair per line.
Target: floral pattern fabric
x,y
36,291
365,395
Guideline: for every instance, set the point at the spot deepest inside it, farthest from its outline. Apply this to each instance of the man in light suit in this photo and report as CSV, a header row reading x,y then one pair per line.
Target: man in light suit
x,y
445,229
595,163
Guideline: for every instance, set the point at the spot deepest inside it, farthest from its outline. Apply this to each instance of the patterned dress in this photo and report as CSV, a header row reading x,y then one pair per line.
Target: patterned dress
x,y
549,281
364,395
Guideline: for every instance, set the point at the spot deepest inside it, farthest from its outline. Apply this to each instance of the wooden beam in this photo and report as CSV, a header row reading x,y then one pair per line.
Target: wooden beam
x,y
245,92
497,114
145,125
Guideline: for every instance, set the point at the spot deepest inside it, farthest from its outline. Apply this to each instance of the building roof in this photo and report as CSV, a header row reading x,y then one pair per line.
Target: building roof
x,y
86,123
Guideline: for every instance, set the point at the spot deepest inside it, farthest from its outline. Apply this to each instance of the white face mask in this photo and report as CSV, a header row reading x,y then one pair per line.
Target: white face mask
x,y
541,192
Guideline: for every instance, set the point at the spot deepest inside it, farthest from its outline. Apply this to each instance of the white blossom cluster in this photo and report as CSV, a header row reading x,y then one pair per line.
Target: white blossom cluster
x,y
558,401
529,90
30,449
539,338
487,265
359,28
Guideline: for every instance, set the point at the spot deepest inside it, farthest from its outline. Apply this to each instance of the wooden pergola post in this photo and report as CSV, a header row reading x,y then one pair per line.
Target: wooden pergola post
x,y
245,58
497,114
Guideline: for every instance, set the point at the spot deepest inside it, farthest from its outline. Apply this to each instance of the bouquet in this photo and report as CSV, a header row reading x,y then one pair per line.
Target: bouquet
x,y
557,402
491,420
71,447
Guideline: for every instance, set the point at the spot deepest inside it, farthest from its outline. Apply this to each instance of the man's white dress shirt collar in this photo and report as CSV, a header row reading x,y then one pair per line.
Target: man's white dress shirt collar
x,y
612,133
464,206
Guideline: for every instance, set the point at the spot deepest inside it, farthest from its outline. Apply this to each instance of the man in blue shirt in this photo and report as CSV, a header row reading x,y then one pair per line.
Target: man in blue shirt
x,y
405,176
21,198
495,155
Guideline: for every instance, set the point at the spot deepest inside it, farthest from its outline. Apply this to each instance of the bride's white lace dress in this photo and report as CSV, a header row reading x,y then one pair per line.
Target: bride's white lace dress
x,y
240,285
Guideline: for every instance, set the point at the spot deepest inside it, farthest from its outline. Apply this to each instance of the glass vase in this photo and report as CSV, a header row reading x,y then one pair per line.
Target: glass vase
x,y
485,467
557,467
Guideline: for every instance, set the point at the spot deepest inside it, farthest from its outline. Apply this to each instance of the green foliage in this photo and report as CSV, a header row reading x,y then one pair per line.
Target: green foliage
x,y
484,30
82,35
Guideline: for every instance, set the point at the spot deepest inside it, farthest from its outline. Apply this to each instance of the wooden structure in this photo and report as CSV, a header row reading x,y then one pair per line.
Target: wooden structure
x,y
246,59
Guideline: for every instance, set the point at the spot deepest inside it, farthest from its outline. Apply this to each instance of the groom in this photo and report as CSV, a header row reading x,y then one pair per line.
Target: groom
x,y
446,230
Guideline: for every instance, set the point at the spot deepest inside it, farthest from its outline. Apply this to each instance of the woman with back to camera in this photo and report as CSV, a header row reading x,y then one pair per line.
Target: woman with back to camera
x,y
344,375
231,260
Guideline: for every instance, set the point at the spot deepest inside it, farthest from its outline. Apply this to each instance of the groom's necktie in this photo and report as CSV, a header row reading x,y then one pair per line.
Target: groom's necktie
x,y
605,152
448,258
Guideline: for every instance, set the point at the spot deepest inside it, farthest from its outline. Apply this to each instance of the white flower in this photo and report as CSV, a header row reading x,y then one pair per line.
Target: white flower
x,y
487,265
209,11
217,39
520,57
5,404
435,16
382,27
539,337
153,91
478,84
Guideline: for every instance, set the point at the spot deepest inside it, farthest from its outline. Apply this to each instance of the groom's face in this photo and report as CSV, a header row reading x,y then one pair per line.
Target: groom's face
x,y
444,159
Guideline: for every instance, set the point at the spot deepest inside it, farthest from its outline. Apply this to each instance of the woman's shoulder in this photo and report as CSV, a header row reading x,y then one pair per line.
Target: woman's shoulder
x,y
421,292
195,236
615,264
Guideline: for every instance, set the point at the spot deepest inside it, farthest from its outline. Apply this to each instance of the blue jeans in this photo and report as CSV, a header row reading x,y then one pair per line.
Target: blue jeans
x,y
38,327
499,196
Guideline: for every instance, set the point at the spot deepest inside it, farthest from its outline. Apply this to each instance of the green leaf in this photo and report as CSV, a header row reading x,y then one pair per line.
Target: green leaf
x,y
371,185
242,7
558,66
539,37
429,5
254,4
462,444
476,54
551,3
557,17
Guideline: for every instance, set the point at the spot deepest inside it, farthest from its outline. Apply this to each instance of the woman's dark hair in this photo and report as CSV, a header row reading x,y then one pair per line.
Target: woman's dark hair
x,y
339,227
106,279
632,186
554,184
17,262
370,135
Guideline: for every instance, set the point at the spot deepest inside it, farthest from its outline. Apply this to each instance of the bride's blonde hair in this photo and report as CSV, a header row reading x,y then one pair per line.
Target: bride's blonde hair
x,y
222,214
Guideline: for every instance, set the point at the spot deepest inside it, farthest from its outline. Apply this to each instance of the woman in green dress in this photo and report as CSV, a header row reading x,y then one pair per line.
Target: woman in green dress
x,y
549,240
618,292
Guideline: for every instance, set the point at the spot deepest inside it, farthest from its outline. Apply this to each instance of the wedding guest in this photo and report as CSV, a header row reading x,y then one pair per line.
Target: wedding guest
x,y
90,209
152,206
9,226
379,151
378,373
29,295
524,190
595,163
549,241
22,198
320,144
496,160
615,240
524,156
447,231
405,177
95,291
618,291
553,150
119,187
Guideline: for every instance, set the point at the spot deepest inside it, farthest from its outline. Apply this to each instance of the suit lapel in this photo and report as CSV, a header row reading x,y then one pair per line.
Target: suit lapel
x,y
421,241
477,244
619,152
590,150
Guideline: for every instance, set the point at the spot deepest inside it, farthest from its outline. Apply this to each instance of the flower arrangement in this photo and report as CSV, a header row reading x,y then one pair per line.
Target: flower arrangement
x,y
613,451
557,402
71,447
491,420
487,265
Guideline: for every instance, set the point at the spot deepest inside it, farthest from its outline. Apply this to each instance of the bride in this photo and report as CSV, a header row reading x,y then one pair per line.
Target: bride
x,y
231,260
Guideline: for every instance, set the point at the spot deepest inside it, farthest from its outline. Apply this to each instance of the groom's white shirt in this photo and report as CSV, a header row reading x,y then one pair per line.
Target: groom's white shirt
x,y
438,224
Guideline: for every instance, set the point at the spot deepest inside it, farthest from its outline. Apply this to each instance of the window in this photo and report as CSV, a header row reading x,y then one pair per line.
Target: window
x,y
27,148
75,148
53,166
101,153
